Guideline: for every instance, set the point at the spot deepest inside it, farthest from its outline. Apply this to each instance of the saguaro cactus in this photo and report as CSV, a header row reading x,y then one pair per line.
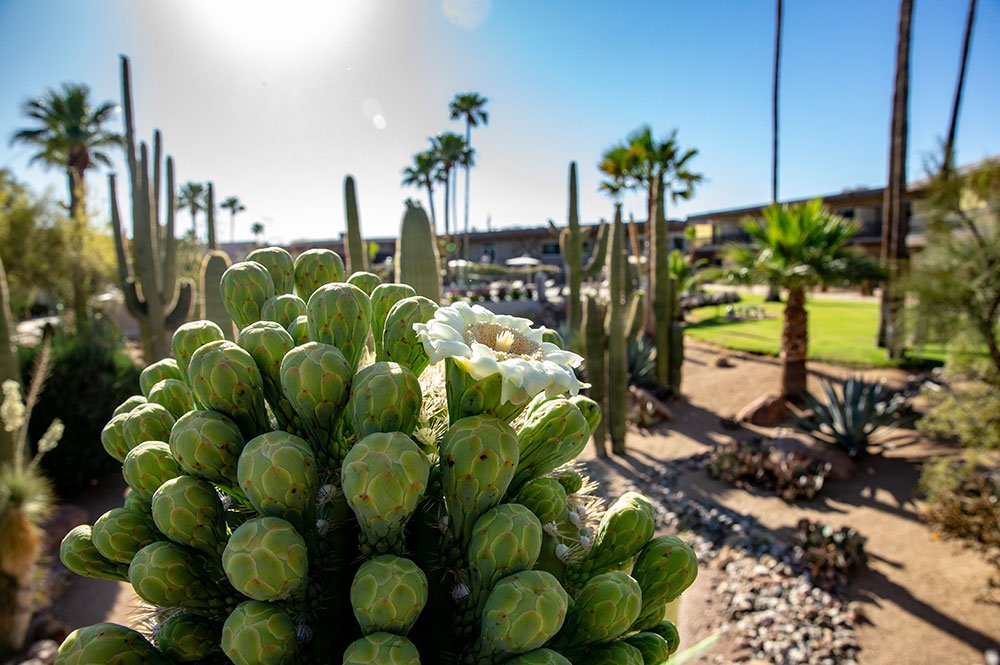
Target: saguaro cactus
x,y
571,246
212,307
417,262
595,344
9,368
617,351
153,293
357,257
210,217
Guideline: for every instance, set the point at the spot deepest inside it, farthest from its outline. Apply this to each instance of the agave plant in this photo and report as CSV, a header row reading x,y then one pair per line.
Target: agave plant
x,y
855,415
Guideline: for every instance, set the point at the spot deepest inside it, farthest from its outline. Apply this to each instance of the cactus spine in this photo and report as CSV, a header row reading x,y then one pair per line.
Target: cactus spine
x,y
213,308
417,262
617,351
153,294
357,257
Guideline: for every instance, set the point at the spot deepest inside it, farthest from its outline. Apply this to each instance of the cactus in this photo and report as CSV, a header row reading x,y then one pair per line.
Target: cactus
x,y
668,331
213,309
571,246
9,367
617,386
357,256
153,293
210,217
417,262
276,493
595,340
279,265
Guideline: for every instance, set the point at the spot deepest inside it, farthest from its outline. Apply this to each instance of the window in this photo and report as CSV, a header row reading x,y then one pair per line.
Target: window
x,y
550,248
490,253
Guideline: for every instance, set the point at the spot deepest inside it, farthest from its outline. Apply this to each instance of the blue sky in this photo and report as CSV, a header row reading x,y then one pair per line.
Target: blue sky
x,y
275,102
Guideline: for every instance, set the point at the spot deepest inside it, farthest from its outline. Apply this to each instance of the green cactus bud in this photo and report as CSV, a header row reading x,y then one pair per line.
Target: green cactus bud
x,y
78,553
267,342
665,567
113,436
161,369
545,497
188,636
119,533
478,458
365,281
108,644
137,503
616,653
188,511
146,422
553,337
207,444
399,341
668,631
340,315
279,265
388,594
381,649
624,530
383,298
173,395
316,380
540,657
590,409
166,573
314,268
277,472
571,480
245,288
192,336
258,633
554,434
523,612
225,378
283,308
654,649
299,330
128,405
604,609
149,465
384,476
266,559
385,397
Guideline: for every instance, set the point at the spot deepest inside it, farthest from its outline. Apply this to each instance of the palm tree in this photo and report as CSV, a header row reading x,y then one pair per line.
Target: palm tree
x,y
234,206
774,102
192,197
257,229
949,144
70,133
687,272
895,217
795,248
451,150
469,106
422,173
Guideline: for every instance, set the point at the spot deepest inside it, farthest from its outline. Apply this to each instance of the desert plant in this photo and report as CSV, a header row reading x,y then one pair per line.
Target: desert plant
x,y
855,414
417,262
830,555
440,507
357,257
754,463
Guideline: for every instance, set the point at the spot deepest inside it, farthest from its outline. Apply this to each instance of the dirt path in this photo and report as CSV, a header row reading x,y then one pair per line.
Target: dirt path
x,y
919,594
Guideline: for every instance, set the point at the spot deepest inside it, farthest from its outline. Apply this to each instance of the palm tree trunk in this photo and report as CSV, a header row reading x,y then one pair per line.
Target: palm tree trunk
x,y
430,198
194,225
447,188
78,222
794,346
895,219
232,227
949,145
774,102
465,235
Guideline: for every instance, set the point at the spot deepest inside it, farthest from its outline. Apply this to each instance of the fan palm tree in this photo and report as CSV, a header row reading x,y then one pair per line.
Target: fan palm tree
x,y
795,248
257,229
69,132
234,206
451,150
471,107
422,173
192,197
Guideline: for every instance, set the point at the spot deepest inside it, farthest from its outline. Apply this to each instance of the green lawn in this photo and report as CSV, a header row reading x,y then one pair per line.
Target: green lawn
x,y
840,331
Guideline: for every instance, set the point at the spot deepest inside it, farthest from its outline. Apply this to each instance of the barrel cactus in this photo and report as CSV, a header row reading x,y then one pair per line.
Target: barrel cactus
x,y
306,502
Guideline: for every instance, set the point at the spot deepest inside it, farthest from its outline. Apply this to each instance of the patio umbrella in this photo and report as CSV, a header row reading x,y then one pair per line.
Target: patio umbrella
x,y
523,260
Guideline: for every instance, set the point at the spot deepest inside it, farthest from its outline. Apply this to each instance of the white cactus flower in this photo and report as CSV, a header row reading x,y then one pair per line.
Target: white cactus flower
x,y
322,527
460,592
552,528
585,541
482,343
575,519
562,551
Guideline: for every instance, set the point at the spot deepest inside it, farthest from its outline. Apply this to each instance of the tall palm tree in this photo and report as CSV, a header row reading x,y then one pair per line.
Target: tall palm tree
x,y
69,132
796,248
422,173
235,207
257,229
774,101
895,217
949,144
471,107
192,197
451,150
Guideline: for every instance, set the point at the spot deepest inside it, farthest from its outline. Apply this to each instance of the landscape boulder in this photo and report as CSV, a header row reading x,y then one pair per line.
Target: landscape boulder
x,y
765,411
841,466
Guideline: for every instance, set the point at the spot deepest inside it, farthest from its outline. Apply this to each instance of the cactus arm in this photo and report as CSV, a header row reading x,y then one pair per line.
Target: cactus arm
x,y
9,368
210,217
595,345
417,261
213,308
572,248
617,360
169,256
597,255
661,290
155,207
553,229
357,257
636,309
124,274
133,167
181,308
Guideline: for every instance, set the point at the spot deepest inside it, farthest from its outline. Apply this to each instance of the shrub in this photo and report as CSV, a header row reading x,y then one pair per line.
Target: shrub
x,y
787,475
966,412
829,555
91,375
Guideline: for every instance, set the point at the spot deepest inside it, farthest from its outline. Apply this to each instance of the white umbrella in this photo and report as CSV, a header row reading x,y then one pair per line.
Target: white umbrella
x,y
523,260
459,263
